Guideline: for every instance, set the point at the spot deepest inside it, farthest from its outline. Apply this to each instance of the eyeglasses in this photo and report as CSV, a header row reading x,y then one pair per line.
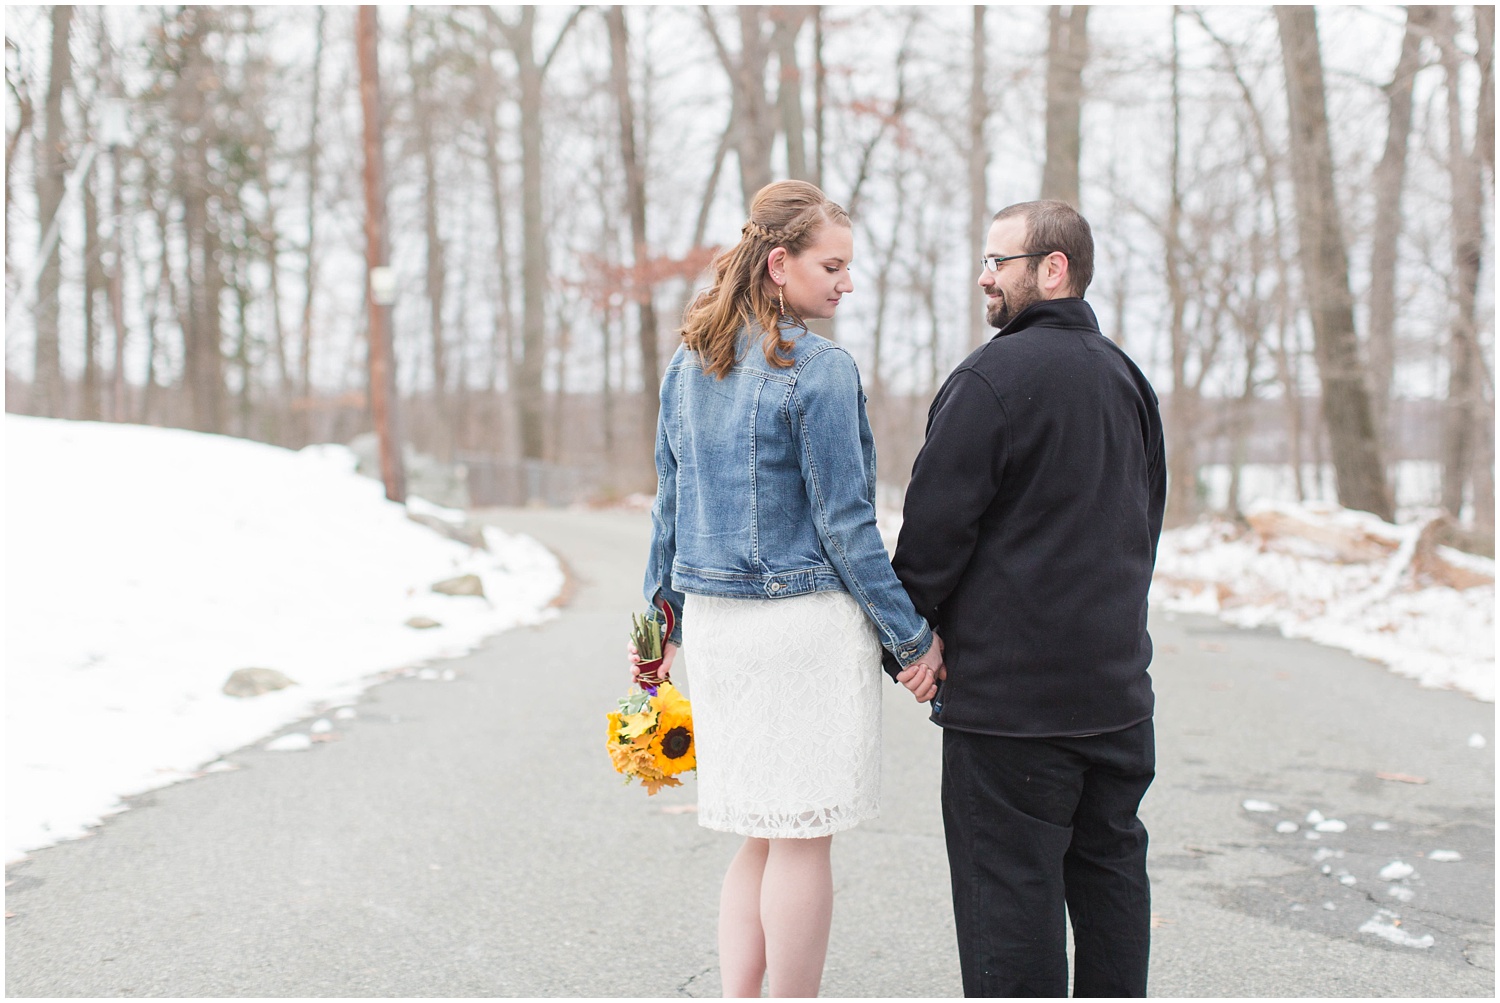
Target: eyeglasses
x,y
992,262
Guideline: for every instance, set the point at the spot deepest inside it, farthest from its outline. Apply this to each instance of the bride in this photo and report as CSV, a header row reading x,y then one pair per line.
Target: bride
x,y
765,545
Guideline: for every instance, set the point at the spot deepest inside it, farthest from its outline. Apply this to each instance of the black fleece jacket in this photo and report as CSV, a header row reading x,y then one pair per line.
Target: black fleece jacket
x,y
1031,525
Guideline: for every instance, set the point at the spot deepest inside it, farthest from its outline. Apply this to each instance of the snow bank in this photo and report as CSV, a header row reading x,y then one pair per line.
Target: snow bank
x,y
1345,579
144,565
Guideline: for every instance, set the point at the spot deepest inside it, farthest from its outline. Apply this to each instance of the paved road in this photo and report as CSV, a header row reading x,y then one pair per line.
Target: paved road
x,y
468,838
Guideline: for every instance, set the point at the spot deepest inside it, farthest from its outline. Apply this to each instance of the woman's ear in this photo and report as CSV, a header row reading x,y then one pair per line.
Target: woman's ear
x,y
776,266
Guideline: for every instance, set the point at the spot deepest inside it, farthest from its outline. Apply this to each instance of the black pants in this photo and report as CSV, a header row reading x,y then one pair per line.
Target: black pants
x,y
1032,823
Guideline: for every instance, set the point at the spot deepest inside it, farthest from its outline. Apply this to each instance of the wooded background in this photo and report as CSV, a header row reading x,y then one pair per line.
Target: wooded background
x,y
1292,208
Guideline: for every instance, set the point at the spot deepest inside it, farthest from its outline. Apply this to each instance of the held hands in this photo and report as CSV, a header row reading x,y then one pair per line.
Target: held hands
x,y
922,677
668,653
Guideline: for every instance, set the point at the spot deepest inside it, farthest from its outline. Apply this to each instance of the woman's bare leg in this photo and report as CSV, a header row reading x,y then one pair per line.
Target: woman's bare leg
x,y
796,910
742,943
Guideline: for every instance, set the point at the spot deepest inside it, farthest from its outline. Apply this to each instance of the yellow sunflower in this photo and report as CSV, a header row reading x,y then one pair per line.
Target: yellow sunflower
x,y
672,748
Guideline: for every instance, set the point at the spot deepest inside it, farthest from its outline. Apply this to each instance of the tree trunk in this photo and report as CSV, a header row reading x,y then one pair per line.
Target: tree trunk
x,y
1325,264
820,94
979,163
1067,52
1389,180
1460,432
25,112
528,383
424,108
51,171
310,271
750,110
533,252
1182,411
377,255
1484,138
93,284
789,22
635,200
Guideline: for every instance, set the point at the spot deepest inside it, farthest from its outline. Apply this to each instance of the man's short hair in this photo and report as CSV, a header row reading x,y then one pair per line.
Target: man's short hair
x,y
1054,225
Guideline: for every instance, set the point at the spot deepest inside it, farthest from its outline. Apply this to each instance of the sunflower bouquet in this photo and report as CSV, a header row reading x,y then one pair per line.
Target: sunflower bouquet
x,y
651,737
651,734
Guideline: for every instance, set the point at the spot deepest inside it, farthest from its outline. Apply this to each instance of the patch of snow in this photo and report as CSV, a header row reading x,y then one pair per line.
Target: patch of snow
x,y
1348,880
144,565
1332,825
345,714
1314,817
1329,906
1286,827
1401,893
1251,804
1440,636
1445,856
1383,925
1396,870
1381,826
321,726
294,741
1477,741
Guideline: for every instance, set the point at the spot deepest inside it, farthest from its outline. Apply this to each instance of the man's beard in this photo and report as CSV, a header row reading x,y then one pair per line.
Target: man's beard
x,y
1010,306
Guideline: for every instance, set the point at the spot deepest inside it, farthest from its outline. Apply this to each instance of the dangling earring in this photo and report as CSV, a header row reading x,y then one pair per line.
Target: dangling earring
x,y
781,300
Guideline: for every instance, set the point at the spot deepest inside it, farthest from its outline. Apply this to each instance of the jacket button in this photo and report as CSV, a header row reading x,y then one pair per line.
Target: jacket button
x,y
777,586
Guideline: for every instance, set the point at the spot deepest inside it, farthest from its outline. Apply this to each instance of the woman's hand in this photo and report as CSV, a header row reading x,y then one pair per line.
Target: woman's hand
x,y
922,677
918,678
668,654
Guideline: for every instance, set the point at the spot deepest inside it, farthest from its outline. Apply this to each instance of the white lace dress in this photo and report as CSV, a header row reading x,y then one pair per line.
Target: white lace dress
x,y
786,713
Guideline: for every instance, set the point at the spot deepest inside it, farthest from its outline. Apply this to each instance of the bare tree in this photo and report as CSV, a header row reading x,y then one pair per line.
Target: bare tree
x,y
788,23
1358,468
15,82
1067,52
1182,409
377,256
1460,433
425,108
531,71
635,202
51,167
310,248
203,285
754,127
979,162
1385,237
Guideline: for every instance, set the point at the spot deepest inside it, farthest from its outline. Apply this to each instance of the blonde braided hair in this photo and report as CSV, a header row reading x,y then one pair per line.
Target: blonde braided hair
x,y
783,214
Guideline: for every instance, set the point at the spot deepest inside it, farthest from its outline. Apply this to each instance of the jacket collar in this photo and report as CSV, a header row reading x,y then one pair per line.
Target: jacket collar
x,y
1071,311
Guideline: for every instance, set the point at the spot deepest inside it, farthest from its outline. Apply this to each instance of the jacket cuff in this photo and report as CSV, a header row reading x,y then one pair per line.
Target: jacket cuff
x,y
912,651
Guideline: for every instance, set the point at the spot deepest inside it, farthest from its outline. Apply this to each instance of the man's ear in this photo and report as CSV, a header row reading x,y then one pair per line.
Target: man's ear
x,y
1055,280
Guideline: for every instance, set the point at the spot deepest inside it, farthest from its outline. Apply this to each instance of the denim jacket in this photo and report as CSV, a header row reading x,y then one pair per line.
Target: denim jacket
x,y
766,488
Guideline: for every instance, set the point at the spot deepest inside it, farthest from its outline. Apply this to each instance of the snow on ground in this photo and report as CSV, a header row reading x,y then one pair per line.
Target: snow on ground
x,y
145,565
1341,578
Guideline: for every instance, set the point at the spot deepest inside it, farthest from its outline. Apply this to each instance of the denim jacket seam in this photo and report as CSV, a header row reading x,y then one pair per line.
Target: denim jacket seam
x,y
812,467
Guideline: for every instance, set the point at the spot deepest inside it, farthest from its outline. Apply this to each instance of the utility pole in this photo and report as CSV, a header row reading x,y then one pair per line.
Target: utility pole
x,y
380,287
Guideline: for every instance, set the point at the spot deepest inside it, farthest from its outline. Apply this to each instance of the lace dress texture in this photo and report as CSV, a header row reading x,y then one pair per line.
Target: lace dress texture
x,y
786,713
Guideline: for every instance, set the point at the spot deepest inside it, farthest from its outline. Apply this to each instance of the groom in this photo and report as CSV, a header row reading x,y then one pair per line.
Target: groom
x,y
1030,535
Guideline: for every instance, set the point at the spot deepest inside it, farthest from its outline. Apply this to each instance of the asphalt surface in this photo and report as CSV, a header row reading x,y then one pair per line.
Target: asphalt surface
x,y
468,838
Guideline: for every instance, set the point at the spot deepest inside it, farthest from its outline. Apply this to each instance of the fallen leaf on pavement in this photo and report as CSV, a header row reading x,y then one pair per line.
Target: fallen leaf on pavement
x,y
1402,778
